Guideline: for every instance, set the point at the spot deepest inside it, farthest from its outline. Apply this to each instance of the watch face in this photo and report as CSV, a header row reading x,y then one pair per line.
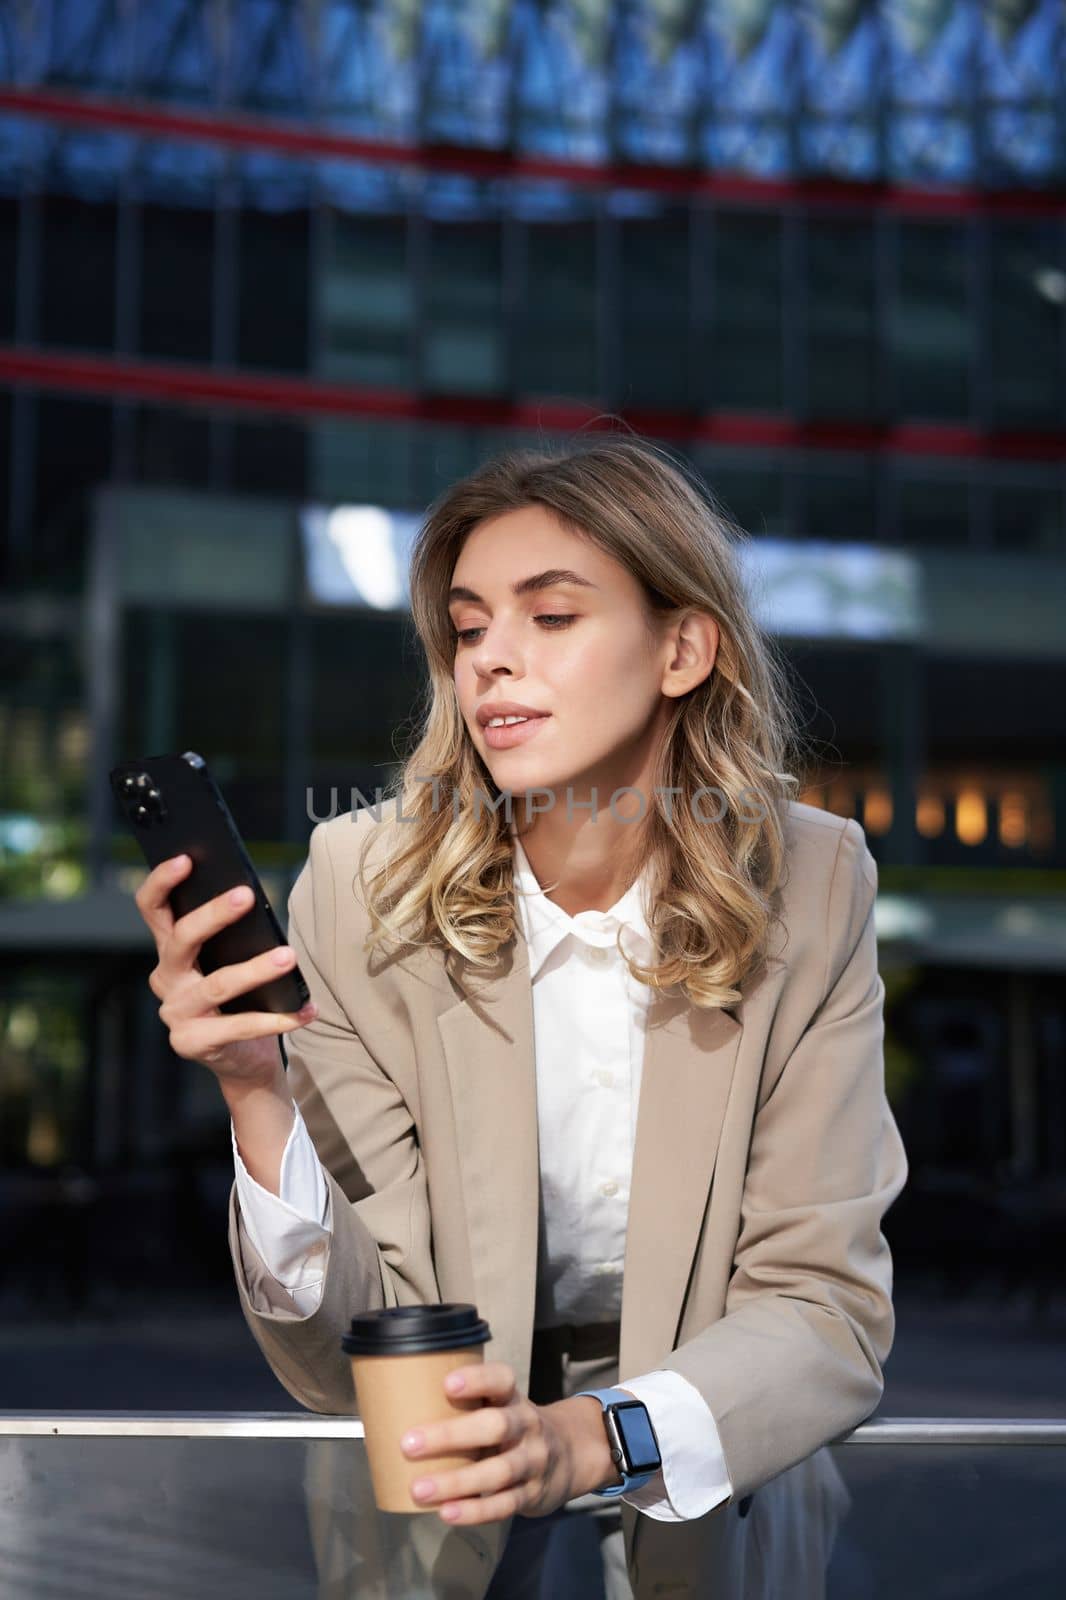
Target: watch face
x,y
638,1436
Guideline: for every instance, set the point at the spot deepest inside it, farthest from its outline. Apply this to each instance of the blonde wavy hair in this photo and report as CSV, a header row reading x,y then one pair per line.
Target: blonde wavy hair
x,y
447,877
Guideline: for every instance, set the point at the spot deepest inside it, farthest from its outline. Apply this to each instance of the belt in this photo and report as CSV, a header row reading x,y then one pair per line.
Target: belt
x,y
585,1343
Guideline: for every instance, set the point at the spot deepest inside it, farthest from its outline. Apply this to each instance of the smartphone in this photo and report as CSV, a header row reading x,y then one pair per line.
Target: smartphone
x,y
174,807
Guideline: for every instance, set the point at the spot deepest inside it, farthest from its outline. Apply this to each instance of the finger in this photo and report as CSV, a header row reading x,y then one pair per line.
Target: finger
x,y
491,1426
152,898
201,1039
190,999
489,1508
495,1379
507,1470
195,927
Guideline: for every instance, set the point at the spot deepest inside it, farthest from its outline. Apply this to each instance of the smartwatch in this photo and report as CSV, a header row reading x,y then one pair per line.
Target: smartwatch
x,y
634,1447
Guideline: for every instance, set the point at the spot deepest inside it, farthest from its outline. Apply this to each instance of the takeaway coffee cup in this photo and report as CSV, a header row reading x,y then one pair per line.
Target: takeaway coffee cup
x,y
400,1358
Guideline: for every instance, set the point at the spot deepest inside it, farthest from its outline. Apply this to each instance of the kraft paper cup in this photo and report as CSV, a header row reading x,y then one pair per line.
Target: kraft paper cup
x,y
400,1357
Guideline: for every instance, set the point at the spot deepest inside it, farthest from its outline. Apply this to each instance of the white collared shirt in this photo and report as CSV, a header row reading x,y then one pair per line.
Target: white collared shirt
x,y
589,1018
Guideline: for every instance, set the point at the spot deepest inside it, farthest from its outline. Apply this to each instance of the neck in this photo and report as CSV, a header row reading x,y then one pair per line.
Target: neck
x,y
586,866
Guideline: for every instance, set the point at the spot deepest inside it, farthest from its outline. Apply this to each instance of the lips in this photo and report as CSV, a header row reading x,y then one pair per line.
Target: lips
x,y
508,708
506,735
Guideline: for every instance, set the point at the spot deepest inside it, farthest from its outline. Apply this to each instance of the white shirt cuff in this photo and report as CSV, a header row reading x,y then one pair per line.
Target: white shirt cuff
x,y
693,1477
291,1231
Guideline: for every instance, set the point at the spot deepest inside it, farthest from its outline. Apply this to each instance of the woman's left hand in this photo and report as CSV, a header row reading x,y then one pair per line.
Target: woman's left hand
x,y
530,1469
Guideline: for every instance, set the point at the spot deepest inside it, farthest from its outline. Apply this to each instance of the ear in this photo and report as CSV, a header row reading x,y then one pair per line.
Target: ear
x,y
693,652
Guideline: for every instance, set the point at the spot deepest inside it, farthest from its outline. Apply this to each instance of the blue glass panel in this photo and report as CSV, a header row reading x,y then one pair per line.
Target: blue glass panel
x,y
837,48
1022,70
175,52
83,43
562,78
268,67
660,74
361,186
369,67
930,81
918,91
89,165
466,71
752,86
177,172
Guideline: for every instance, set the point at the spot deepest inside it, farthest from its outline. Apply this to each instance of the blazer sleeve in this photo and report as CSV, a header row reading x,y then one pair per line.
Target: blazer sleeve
x,y
796,1360
362,1128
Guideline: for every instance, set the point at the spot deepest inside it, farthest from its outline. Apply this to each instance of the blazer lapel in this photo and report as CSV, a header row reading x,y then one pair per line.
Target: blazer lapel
x,y
488,1047
689,1056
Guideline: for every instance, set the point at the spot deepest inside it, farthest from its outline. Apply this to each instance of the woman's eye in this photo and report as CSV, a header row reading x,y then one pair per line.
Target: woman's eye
x,y
553,619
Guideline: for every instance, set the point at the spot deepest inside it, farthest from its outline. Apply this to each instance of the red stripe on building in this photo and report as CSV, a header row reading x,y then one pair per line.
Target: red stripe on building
x,y
150,120
233,390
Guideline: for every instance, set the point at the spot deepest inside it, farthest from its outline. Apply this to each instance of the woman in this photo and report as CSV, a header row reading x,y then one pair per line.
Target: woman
x,y
654,922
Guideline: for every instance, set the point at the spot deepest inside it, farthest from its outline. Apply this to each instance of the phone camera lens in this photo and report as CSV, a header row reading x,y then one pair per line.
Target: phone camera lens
x,y
142,797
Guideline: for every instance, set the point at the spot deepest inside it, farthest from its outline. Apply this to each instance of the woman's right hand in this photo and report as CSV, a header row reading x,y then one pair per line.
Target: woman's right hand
x,y
239,1048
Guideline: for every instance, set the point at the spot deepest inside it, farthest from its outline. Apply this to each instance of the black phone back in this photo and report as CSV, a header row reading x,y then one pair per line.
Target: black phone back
x,y
173,806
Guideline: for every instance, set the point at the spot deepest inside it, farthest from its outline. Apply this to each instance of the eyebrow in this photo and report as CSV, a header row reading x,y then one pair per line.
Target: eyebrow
x,y
552,579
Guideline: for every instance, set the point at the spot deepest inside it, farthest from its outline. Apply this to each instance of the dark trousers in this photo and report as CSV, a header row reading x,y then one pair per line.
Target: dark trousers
x,y
576,1552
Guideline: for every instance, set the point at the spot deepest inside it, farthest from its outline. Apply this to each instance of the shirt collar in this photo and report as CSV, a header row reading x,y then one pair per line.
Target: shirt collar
x,y
546,924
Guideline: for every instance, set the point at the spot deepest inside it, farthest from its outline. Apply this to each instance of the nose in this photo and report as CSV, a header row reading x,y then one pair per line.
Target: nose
x,y
495,652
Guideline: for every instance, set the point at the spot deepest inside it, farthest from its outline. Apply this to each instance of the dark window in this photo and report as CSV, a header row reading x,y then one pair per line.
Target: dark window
x,y
177,259
43,748
934,512
73,456
352,731
7,564
366,304
931,329
216,684
444,454
358,459
838,691
839,502
841,320
1028,517
656,366
273,290
270,458
464,345
77,305
9,224
42,1072
558,315
172,446
1025,344
752,495
995,709
745,367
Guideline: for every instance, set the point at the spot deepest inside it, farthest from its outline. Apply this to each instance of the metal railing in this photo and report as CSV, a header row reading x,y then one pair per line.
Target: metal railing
x,y
311,1425
279,1506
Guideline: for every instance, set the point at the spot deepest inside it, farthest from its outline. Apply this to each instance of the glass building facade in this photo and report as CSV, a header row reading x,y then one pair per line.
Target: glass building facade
x,y
264,262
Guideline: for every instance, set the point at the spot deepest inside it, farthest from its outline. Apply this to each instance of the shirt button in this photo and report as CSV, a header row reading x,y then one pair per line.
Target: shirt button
x,y
609,1188
598,954
605,1079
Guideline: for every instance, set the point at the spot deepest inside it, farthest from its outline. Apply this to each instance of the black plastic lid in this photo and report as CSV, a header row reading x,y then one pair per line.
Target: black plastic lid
x,y
409,1330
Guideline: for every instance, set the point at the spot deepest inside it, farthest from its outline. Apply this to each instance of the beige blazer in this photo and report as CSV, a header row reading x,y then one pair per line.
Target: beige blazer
x,y
766,1155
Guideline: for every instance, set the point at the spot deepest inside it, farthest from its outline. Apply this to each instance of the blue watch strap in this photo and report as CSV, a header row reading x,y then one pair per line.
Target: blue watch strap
x,y
630,1480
